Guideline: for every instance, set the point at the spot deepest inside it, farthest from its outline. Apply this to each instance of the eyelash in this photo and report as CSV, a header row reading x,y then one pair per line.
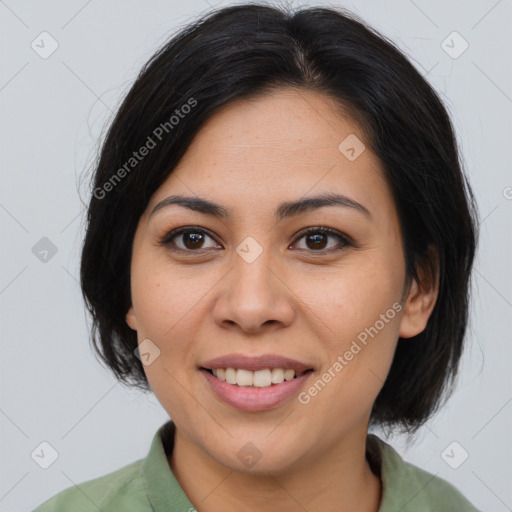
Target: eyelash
x,y
344,241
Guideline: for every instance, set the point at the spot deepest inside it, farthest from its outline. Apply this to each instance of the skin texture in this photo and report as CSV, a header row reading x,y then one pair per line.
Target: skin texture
x,y
301,298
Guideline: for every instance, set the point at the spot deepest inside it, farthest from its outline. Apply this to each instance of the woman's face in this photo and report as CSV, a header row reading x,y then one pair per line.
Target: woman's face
x,y
252,283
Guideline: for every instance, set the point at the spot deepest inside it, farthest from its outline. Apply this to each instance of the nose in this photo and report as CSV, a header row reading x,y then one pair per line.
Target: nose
x,y
254,297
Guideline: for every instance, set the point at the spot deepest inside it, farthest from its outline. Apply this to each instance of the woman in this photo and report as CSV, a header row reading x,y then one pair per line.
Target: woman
x,y
279,245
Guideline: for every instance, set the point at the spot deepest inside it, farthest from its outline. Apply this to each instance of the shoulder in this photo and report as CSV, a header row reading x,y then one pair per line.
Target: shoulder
x,y
409,488
119,491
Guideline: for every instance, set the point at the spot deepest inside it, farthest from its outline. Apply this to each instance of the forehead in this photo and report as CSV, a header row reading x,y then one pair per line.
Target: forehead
x,y
285,145
294,124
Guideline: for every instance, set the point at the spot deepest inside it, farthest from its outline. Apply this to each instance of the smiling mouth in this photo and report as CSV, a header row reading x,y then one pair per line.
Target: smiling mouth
x,y
255,379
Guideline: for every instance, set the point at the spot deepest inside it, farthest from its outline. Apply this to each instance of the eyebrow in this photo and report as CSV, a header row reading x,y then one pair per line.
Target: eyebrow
x,y
285,210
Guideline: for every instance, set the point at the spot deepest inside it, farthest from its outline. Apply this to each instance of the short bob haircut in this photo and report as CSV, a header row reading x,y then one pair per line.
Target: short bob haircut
x,y
248,50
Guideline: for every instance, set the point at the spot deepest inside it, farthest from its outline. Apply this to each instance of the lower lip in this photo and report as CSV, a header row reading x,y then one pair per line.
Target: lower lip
x,y
255,399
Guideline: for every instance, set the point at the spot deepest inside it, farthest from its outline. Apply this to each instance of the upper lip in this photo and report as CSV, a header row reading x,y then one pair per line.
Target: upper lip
x,y
255,363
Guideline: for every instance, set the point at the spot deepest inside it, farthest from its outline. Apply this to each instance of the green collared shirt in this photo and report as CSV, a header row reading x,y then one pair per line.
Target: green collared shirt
x,y
148,485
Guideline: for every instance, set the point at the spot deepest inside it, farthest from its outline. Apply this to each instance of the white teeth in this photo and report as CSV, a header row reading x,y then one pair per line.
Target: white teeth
x,y
259,379
277,376
244,377
262,378
230,375
289,374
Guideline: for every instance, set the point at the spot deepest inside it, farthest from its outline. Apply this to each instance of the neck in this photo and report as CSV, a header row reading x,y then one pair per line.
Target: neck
x,y
337,480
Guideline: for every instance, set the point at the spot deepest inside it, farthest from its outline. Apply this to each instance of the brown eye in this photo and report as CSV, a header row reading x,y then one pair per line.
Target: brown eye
x,y
316,239
192,239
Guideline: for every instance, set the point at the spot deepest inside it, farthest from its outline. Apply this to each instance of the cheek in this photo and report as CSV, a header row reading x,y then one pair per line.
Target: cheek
x,y
170,308
357,317
368,316
357,364
352,296
162,299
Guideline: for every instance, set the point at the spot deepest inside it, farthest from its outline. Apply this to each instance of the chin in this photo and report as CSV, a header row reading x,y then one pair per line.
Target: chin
x,y
256,458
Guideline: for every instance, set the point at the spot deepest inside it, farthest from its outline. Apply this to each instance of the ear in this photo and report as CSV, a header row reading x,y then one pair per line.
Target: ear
x,y
131,320
422,296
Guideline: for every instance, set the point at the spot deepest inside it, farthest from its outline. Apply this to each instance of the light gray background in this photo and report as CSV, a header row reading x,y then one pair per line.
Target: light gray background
x,y
52,114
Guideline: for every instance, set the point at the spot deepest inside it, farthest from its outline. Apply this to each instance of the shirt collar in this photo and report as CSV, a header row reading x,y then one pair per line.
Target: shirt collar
x,y
166,494
163,490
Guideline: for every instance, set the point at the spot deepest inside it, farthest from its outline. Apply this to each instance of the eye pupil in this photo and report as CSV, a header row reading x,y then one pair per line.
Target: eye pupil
x,y
195,238
318,239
